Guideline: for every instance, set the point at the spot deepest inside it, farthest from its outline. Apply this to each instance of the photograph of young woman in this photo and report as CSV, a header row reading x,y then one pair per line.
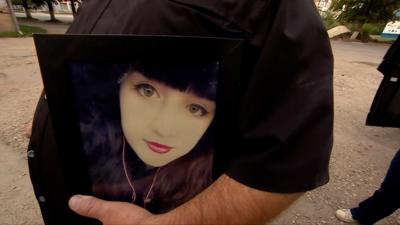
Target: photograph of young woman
x,y
147,133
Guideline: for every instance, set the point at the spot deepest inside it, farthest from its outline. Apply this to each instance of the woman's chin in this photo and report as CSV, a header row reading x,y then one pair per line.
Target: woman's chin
x,y
154,163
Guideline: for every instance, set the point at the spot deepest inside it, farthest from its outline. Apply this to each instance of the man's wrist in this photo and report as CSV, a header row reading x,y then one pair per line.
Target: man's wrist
x,y
170,218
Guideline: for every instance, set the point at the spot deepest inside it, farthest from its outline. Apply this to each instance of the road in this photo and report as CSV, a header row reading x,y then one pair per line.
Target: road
x,y
360,155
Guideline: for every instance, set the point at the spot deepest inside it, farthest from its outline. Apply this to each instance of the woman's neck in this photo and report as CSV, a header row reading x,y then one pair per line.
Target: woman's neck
x,y
139,175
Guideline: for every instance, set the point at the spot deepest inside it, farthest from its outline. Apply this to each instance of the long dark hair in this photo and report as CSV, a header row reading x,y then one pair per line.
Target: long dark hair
x,y
179,180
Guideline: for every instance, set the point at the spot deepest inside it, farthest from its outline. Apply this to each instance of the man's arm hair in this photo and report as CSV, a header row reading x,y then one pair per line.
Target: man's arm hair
x,y
230,202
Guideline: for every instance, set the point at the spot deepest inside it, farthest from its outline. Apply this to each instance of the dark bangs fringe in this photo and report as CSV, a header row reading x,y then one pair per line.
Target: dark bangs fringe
x,y
198,79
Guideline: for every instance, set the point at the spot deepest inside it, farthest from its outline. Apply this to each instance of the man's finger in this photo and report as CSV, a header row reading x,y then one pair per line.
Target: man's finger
x,y
108,212
89,206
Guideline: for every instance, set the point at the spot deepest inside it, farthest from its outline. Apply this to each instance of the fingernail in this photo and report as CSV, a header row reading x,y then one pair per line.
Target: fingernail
x,y
74,202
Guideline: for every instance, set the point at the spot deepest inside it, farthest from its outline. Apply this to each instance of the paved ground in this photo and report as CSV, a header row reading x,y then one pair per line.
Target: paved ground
x,y
360,156
20,85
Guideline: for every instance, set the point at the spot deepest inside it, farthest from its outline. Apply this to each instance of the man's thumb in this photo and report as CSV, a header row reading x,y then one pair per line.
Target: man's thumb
x,y
89,206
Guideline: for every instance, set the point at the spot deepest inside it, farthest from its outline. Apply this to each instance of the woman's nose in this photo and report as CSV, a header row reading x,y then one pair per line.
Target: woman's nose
x,y
164,123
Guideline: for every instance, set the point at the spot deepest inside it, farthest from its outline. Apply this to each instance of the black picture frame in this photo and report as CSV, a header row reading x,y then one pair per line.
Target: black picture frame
x,y
58,175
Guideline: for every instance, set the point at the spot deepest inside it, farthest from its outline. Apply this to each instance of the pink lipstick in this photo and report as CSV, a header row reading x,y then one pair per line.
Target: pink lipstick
x,y
157,147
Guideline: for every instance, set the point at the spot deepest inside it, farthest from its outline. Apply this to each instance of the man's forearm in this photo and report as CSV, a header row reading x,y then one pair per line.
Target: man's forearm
x,y
229,202
224,202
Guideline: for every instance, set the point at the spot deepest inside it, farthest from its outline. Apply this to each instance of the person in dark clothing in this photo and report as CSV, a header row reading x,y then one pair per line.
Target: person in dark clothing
x,y
285,111
382,203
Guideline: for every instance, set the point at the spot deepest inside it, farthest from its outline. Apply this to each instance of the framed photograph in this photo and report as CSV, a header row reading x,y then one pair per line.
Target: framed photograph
x,y
139,119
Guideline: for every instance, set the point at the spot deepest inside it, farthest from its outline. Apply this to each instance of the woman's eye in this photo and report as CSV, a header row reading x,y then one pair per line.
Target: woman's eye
x,y
146,90
197,110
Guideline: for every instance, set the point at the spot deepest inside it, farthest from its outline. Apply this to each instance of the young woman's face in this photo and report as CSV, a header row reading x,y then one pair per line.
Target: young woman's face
x,y
160,123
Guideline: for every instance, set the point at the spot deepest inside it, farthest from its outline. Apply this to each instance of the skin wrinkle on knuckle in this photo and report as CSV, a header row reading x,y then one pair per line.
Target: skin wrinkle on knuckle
x,y
92,208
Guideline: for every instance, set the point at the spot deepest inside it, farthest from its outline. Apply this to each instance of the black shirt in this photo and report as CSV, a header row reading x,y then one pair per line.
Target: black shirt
x,y
286,106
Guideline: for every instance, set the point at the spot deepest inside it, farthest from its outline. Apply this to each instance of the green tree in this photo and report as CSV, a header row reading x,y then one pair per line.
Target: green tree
x,y
360,12
49,6
25,4
365,15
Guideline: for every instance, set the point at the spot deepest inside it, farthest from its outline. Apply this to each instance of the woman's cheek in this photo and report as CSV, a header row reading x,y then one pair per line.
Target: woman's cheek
x,y
198,127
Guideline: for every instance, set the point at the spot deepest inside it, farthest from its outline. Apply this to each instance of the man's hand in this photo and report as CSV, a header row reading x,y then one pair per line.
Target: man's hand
x,y
225,202
110,212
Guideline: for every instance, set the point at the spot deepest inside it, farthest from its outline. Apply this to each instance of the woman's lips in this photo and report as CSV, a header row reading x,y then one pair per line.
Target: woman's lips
x,y
157,147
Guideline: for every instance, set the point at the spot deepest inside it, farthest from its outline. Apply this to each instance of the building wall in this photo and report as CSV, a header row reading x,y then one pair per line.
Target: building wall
x,y
3,5
323,5
392,29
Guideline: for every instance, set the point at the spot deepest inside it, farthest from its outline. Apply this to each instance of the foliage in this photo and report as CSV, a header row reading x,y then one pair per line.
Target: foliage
x,y
26,30
19,2
372,29
29,30
352,27
365,11
367,28
31,2
42,2
329,19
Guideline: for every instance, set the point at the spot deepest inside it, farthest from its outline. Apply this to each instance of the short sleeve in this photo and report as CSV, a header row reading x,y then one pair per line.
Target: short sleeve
x,y
286,112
